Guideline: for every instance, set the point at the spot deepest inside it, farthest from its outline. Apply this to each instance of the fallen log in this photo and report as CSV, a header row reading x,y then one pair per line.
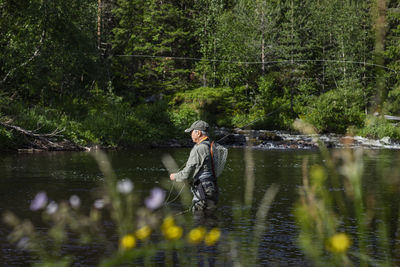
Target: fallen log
x,y
390,117
49,142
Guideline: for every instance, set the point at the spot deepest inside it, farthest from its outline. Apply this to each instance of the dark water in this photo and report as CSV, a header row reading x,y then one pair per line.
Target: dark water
x,y
64,174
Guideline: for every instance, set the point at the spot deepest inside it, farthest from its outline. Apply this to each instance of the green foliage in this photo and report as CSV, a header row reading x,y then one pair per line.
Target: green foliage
x,y
205,20
49,49
47,120
8,140
337,109
335,199
391,55
376,127
252,58
152,29
115,122
272,104
107,121
211,104
183,115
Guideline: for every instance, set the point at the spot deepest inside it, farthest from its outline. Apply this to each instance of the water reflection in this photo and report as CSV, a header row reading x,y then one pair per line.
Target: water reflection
x,y
64,174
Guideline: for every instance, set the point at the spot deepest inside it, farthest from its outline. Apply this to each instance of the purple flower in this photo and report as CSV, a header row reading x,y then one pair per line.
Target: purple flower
x,y
39,201
156,198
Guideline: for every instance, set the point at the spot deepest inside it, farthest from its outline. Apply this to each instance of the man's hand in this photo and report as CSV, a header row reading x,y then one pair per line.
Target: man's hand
x,y
172,176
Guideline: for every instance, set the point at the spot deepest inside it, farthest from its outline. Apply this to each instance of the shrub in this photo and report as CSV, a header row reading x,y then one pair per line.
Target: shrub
x,y
184,115
336,110
213,105
376,127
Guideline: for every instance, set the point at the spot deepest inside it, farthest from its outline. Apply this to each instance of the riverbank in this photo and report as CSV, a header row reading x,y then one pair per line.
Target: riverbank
x,y
264,139
258,139
42,129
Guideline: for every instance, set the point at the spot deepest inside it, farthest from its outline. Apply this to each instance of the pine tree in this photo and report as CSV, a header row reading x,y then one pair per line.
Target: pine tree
x,y
48,48
149,32
392,57
205,23
293,47
341,41
247,33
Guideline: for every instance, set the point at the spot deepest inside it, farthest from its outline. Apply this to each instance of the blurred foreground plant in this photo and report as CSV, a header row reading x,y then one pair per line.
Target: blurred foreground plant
x,y
343,221
125,231
244,249
137,231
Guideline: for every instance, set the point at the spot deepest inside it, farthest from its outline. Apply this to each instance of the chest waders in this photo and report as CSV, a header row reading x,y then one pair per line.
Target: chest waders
x,y
204,188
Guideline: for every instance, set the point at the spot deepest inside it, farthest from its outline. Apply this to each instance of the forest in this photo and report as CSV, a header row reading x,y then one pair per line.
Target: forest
x,y
122,73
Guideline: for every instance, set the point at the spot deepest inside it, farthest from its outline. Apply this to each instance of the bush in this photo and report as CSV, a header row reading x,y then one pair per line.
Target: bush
x,y
336,110
184,115
213,105
106,120
376,127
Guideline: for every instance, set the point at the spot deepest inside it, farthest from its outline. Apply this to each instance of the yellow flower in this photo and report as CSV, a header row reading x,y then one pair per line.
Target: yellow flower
x,y
173,232
143,232
212,237
168,222
196,235
318,174
128,241
339,243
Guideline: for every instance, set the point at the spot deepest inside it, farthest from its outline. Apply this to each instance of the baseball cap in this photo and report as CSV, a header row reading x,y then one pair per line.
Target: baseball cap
x,y
198,125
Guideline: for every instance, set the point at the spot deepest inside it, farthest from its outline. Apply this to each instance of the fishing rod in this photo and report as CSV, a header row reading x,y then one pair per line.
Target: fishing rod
x,y
284,61
254,121
167,201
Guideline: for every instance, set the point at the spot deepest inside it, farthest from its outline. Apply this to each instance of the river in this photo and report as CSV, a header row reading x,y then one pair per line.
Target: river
x,y
62,174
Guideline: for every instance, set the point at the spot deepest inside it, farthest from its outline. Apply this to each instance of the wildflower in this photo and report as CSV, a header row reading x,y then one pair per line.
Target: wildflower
x,y
156,198
212,237
52,207
173,232
75,201
339,243
99,203
169,221
39,201
196,235
143,233
128,242
317,173
124,186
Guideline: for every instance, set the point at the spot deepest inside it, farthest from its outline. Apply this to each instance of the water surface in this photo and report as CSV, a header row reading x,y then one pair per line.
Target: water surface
x,y
63,174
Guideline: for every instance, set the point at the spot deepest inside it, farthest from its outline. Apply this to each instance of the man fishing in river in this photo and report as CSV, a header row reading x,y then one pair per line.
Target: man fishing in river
x,y
200,165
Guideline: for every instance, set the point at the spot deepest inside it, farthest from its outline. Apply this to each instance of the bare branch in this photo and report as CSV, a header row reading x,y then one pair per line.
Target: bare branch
x,y
35,54
42,141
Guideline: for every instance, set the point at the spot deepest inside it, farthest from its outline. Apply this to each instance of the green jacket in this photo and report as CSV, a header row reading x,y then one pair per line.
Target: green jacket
x,y
198,163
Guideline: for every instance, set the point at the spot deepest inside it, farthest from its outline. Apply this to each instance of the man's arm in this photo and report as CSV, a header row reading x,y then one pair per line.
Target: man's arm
x,y
193,160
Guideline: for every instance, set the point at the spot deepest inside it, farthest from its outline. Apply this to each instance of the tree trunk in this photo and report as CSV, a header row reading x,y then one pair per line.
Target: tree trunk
x,y
99,7
380,33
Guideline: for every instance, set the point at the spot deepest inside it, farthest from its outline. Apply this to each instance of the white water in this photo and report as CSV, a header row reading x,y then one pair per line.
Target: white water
x,y
284,140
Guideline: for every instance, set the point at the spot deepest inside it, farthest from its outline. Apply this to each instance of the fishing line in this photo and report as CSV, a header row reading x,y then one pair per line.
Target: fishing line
x,y
291,61
247,125
183,212
254,121
167,202
170,191
169,195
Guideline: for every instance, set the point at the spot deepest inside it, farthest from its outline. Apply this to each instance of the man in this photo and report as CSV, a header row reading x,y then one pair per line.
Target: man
x,y
200,165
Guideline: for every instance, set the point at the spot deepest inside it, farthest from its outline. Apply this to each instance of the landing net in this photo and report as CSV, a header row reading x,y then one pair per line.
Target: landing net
x,y
220,153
